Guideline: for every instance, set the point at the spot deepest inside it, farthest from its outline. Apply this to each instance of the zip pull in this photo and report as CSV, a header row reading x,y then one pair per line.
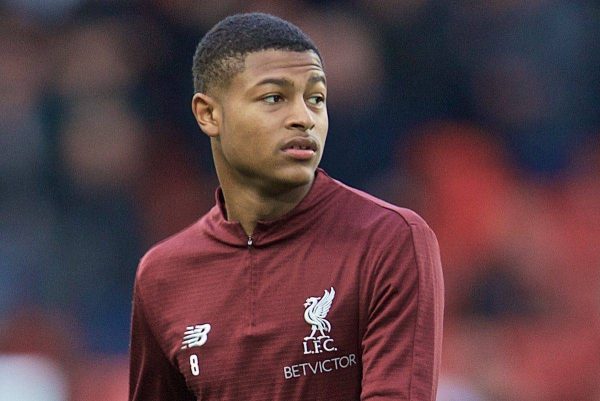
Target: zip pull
x,y
250,241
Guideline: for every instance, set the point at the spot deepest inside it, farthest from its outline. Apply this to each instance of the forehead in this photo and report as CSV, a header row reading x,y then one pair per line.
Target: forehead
x,y
280,63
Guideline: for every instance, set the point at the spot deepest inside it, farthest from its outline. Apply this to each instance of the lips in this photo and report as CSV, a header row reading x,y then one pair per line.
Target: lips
x,y
300,143
300,148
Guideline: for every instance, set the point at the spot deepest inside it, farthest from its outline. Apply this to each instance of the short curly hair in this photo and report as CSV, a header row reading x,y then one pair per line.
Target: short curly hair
x,y
221,53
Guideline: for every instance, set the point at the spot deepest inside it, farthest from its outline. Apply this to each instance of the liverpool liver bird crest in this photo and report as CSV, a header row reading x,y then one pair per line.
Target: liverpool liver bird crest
x,y
315,313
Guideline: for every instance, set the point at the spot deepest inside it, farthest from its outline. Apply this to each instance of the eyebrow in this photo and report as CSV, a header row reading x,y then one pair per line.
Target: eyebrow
x,y
276,81
317,78
284,82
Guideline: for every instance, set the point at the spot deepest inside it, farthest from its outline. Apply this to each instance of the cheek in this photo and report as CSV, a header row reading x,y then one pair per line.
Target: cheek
x,y
245,139
323,128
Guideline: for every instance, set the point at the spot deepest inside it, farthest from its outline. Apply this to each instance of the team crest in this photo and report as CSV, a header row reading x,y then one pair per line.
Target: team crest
x,y
315,313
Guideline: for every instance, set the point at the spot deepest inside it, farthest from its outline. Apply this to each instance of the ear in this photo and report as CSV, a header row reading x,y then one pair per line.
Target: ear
x,y
206,111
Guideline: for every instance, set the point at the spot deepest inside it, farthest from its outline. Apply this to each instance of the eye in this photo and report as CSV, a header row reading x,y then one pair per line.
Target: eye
x,y
316,100
272,99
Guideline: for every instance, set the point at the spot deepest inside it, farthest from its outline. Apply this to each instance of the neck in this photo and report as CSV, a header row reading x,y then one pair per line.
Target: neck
x,y
248,200
249,205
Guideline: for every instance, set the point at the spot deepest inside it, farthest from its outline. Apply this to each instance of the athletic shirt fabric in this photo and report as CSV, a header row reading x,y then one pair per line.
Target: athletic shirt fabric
x,y
340,299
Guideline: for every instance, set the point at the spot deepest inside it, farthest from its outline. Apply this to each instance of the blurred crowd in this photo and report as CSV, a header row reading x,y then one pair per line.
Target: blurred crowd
x,y
484,117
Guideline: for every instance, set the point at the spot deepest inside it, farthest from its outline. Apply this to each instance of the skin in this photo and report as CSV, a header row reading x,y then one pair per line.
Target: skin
x,y
277,99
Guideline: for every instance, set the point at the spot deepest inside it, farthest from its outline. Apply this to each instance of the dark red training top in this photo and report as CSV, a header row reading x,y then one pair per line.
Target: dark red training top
x,y
340,299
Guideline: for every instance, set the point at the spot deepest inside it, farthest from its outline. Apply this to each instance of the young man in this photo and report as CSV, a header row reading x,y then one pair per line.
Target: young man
x,y
294,287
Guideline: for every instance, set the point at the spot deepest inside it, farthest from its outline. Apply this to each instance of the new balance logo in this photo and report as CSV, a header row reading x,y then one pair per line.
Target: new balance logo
x,y
195,336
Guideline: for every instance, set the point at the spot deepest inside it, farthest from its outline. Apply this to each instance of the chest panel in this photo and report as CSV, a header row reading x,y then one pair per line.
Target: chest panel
x,y
283,323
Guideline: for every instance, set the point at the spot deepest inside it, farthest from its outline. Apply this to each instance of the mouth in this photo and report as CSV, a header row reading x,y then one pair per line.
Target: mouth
x,y
300,148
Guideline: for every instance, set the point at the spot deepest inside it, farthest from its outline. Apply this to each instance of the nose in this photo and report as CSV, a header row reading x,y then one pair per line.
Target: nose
x,y
301,117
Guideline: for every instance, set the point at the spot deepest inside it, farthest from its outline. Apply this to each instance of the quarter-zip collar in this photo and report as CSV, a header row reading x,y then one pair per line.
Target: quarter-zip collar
x,y
291,224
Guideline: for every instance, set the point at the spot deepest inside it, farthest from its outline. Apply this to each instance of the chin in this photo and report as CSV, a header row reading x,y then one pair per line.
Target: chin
x,y
296,176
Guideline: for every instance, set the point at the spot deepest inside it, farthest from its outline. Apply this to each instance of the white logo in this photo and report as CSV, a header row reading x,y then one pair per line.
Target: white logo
x,y
315,314
316,310
195,336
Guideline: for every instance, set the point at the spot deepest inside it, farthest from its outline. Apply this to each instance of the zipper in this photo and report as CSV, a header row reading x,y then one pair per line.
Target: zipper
x,y
253,282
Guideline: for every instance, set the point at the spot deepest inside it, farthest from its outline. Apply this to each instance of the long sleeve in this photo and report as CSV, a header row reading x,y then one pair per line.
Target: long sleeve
x,y
402,343
152,377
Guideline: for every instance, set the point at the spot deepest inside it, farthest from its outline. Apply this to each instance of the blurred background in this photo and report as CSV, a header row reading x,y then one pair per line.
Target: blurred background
x,y
483,116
